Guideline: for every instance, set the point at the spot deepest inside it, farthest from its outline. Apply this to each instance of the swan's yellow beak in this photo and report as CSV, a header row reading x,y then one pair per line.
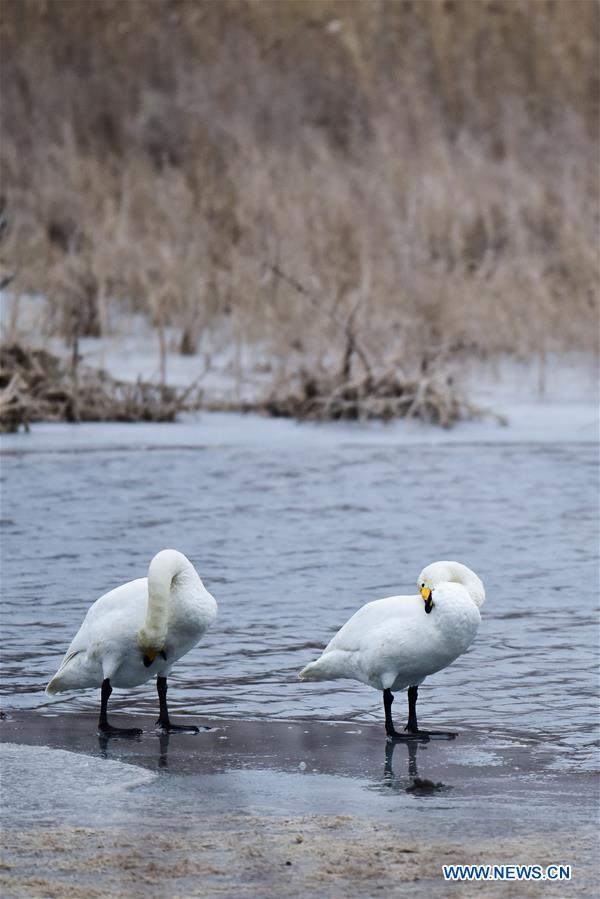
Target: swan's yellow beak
x,y
426,594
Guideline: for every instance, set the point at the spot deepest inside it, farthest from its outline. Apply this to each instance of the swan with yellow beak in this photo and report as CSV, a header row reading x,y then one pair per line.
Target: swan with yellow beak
x,y
394,643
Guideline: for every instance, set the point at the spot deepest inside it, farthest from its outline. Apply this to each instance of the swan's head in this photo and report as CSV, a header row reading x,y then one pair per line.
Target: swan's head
x,y
455,573
151,645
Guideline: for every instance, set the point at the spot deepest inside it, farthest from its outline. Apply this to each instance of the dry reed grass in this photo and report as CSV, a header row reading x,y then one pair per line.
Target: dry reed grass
x,y
420,174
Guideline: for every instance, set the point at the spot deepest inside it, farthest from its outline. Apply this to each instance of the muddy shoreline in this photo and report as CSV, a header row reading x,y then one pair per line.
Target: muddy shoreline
x,y
275,808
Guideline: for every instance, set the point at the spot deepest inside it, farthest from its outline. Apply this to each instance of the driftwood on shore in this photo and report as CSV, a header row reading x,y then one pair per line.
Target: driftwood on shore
x,y
35,386
433,399
430,398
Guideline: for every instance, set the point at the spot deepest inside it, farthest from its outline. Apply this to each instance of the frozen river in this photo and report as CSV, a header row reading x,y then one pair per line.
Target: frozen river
x,y
291,536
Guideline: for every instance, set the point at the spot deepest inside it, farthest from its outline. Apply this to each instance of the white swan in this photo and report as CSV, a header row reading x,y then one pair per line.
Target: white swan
x,y
138,631
397,642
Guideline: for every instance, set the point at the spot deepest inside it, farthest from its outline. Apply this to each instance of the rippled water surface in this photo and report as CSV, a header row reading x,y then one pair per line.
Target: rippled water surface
x,y
291,540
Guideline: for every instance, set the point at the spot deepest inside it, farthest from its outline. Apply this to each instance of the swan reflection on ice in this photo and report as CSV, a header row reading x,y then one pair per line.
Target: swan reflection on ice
x,y
412,783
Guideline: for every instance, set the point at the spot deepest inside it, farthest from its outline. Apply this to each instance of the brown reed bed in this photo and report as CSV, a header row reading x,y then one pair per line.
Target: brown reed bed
x,y
176,158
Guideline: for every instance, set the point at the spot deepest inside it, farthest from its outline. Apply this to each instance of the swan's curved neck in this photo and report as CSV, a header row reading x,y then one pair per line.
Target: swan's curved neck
x,y
165,567
470,581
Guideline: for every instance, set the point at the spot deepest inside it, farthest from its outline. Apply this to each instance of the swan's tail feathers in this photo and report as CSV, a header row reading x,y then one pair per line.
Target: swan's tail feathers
x,y
330,666
66,677
311,672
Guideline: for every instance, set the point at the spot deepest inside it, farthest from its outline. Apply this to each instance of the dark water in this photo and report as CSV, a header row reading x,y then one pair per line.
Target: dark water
x,y
291,540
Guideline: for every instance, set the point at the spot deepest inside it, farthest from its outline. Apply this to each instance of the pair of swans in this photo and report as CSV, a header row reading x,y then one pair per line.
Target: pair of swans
x,y
140,629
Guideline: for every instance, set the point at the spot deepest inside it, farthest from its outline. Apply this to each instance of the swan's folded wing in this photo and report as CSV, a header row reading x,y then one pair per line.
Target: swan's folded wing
x,y
129,595
395,650
104,617
393,610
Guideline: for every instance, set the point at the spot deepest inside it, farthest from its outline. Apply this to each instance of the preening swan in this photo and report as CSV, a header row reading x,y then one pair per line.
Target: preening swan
x,y
138,631
397,642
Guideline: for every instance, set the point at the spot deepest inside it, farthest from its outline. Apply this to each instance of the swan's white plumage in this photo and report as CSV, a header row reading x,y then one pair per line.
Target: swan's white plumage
x,y
393,643
169,610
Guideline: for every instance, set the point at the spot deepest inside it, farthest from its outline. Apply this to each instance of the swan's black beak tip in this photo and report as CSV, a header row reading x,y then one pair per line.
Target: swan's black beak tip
x,y
150,656
427,596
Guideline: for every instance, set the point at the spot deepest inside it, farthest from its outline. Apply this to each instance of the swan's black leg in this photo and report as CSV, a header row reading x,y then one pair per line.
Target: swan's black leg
x,y
103,726
163,715
390,730
413,728
387,707
412,725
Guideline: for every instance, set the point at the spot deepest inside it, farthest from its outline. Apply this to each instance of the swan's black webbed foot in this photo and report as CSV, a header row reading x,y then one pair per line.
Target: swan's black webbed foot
x,y
163,723
408,736
412,726
166,727
108,730
412,731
